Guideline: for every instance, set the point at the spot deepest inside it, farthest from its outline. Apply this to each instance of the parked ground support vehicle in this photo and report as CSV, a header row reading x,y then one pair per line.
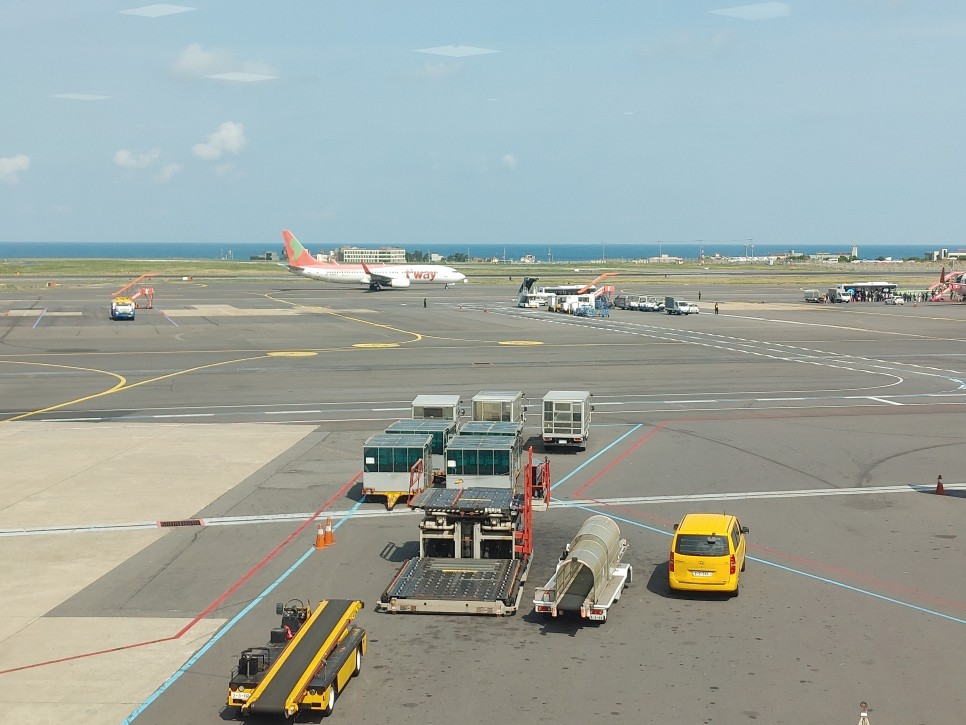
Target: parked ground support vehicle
x,y
651,304
475,548
628,302
895,301
814,295
566,418
676,307
707,553
590,576
307,662
839,294
691,308
122,308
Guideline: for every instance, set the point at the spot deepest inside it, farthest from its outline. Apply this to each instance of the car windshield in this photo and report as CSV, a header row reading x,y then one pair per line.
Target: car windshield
x,y
702,545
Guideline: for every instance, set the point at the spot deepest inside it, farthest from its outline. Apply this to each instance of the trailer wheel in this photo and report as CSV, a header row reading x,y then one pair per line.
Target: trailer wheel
x,y
330,701
358,668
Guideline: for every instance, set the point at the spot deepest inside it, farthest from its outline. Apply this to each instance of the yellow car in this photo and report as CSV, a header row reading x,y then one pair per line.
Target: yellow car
x,y
707,553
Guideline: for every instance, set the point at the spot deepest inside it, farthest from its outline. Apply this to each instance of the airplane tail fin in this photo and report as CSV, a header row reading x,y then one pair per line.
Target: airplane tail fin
x,y
298,256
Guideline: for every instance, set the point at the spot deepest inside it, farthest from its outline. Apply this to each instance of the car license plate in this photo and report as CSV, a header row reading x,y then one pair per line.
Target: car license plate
x,y
702,573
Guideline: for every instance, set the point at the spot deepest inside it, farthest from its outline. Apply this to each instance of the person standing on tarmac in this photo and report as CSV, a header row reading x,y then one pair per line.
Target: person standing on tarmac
x,y
716,308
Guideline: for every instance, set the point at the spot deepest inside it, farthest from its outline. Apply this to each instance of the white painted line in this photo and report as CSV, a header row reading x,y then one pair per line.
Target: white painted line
x,y
883,400
381,513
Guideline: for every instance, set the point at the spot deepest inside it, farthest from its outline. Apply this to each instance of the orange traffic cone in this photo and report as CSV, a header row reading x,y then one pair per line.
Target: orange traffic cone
x,y
320,542
329,537
939,486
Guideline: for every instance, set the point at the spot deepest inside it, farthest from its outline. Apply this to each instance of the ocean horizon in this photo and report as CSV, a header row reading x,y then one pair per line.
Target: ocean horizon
x,y
540,253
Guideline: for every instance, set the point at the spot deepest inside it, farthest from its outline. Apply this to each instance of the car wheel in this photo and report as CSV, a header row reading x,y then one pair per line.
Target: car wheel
x,y
735,592
743,561
330,701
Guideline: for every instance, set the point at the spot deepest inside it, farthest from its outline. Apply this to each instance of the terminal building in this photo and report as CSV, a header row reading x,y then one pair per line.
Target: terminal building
x,y
383,255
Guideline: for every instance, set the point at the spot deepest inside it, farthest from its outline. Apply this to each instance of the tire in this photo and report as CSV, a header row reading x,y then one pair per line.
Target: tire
x,y
358,668
330,703
743,561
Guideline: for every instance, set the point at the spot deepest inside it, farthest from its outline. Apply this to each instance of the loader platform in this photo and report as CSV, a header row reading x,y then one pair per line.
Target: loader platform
x,y
457,586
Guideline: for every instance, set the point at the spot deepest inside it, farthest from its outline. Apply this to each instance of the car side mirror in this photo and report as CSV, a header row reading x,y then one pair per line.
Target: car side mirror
x,y
745,530
675,527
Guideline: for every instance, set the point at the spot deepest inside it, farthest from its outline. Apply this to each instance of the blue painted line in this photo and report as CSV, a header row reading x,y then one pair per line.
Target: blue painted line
x,y
165,316
39,318
595,456
809,575
228,625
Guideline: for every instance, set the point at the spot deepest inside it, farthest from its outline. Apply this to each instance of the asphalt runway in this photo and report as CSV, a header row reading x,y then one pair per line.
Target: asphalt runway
x,y
823,427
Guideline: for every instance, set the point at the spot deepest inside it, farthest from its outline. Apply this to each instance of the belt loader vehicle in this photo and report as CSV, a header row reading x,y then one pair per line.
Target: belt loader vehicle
x,y
307,662
590,576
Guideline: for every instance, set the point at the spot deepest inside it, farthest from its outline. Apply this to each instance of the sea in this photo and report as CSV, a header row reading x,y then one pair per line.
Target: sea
x,y
517,252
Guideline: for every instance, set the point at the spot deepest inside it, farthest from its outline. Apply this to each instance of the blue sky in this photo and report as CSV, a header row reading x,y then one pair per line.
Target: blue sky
x,y
360,122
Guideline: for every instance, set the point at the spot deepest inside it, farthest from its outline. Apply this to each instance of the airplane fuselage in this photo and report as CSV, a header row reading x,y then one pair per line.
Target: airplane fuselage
x,y
395,275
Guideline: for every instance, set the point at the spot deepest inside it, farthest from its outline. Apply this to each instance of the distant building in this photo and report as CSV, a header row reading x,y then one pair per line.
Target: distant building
x,y
266,256
383,255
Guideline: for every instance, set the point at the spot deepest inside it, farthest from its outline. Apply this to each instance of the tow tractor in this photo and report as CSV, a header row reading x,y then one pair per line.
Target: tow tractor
x,y
307,662
475,546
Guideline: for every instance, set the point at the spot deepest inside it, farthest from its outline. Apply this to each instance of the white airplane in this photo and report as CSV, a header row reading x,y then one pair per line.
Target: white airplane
x,y
375,277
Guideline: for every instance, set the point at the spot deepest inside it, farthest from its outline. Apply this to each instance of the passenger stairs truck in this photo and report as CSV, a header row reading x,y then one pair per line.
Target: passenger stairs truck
x,y
590,576
566,419
309,659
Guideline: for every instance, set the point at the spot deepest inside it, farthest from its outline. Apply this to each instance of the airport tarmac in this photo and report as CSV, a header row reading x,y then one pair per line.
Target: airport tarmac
x,y
163,480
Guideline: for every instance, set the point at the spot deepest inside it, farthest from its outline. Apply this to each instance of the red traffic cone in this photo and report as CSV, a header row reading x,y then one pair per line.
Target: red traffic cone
x,y
320,538
939,486
329,537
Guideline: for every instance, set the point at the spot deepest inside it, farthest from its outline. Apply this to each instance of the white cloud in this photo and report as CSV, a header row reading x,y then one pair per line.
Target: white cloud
x,y
131,160
509,161
11,166
229,138
158,10
456,51
80,96
758,11
168,171
196,61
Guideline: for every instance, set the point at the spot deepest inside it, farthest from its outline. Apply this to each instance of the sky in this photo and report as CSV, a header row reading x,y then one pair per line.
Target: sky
x,y
356,122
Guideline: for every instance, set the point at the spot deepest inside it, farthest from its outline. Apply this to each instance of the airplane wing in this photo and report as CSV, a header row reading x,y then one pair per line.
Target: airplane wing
x,y
383,280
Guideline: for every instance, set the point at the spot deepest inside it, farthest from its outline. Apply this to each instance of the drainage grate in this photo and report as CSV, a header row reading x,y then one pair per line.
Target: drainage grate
x,y
179,522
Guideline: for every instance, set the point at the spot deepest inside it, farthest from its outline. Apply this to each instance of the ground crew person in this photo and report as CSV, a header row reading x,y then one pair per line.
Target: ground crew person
x,y
716,308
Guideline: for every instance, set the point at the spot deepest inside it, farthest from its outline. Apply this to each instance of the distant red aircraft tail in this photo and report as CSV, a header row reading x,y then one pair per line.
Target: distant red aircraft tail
x,y
298,256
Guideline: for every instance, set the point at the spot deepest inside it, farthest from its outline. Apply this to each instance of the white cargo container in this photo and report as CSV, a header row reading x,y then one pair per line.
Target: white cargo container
x,y
566,418
446,407
498,405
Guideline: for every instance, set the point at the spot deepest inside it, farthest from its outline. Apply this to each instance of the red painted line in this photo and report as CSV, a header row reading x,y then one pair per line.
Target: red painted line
x,y
621,457
211,607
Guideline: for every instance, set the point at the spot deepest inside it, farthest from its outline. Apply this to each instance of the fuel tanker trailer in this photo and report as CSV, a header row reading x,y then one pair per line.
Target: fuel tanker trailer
x,y
590,576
